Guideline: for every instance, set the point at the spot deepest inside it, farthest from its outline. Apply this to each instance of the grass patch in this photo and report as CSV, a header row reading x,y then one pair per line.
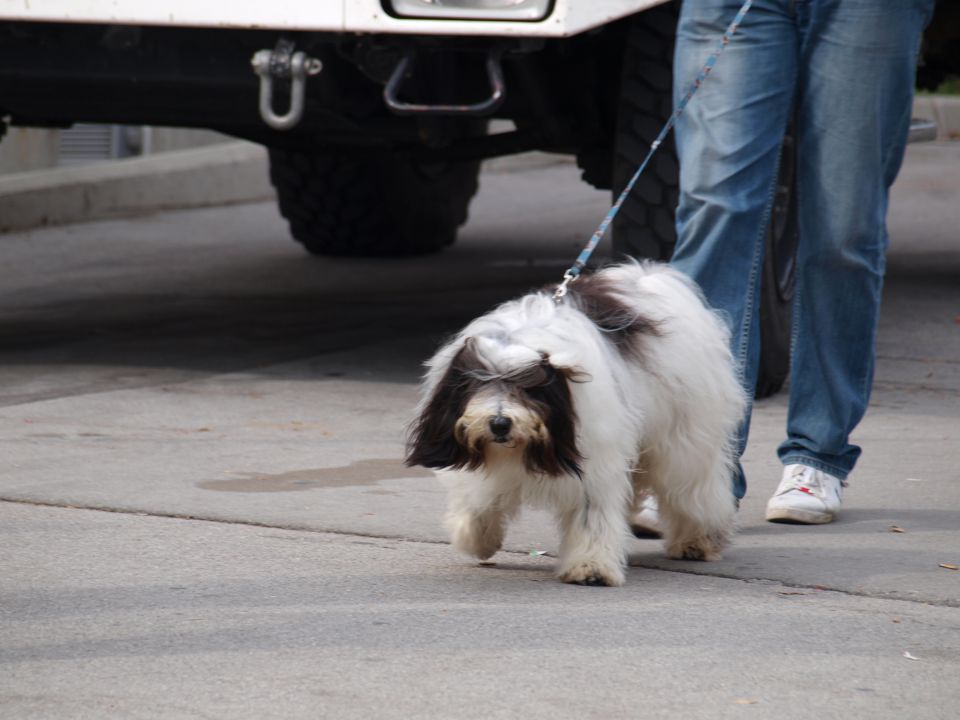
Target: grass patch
x,y
950,86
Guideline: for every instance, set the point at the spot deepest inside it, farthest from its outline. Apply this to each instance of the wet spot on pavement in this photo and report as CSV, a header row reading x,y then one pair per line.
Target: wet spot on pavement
x,y
360,472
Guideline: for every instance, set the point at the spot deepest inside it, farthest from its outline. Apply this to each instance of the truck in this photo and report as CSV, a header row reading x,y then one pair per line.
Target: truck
x,y
376,114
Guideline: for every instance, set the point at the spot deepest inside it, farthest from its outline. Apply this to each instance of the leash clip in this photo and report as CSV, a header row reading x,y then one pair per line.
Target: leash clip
x,y
568,277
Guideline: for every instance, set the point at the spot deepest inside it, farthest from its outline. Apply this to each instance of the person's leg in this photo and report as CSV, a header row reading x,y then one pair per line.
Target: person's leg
x,y
855,86
728,142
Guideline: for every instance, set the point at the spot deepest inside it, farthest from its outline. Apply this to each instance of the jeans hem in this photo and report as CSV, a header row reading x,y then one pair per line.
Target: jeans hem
x,y
837,472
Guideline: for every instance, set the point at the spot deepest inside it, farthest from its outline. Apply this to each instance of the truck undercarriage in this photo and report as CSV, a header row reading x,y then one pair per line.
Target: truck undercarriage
x,y
384,158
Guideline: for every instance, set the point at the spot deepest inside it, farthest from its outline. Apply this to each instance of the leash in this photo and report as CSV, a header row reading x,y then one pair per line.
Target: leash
x,y
577,268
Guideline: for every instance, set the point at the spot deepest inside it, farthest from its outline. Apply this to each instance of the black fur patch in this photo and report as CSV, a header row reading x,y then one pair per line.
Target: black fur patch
x,y
543,389
432,442
602,302
551,400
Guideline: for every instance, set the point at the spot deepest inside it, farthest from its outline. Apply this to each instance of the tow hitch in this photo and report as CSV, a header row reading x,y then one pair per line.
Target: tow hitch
x,y
391,93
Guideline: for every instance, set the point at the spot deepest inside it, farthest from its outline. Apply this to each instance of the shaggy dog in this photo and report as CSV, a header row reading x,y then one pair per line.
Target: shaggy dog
x,y
624,386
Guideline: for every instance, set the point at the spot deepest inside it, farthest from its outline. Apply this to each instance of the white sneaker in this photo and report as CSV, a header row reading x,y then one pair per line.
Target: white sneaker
x,y
645,523
805,495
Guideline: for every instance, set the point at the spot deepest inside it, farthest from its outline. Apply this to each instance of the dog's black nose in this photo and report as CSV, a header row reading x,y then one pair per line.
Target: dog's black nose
x,y
500,426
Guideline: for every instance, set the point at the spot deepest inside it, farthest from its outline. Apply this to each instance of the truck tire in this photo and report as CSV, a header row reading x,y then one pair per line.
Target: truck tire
x,y
371,205
644,227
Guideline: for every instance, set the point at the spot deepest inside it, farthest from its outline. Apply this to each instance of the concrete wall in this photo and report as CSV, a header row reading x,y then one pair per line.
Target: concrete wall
x,y
164,139
944,110
26,149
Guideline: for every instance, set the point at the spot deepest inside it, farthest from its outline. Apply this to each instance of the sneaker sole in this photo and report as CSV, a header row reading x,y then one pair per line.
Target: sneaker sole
x,y
645,532
798,517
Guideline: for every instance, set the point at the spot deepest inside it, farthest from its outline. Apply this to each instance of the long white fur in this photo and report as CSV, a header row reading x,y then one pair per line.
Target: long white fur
x,y
662,419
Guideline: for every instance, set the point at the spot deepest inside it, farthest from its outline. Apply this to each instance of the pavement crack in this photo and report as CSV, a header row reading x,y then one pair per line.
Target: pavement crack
x,y
920,359
801,586
426,541
217,520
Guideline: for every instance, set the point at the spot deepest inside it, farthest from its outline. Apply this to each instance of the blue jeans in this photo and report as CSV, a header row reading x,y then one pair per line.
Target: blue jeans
x,y
844,69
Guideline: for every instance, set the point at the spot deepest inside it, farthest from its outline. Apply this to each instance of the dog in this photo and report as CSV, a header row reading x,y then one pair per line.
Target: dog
x,y
624,386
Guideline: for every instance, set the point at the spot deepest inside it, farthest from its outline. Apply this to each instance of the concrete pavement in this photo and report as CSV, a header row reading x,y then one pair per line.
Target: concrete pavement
x,y
118,616
197,365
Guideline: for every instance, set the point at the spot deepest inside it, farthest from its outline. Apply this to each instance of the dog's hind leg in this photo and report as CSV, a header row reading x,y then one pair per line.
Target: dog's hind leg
x,y
689,538
697,510
595,532
478,514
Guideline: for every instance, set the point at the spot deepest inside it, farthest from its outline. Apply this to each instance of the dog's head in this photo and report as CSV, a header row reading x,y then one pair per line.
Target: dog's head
x,y
507,401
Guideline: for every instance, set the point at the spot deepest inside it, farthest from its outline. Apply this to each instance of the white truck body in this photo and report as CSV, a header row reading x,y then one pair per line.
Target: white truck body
x,y
363,100
563,18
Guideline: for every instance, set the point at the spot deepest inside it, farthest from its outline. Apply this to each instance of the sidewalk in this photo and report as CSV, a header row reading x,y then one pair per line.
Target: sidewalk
x,y
117,616
236,413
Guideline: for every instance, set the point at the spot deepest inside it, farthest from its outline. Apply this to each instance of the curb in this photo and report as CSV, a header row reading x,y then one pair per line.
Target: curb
x,y
221,174
943,110
216,175
228,173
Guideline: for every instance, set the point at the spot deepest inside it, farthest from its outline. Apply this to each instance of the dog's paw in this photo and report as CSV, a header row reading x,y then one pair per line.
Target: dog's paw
x,y
474,536
702,548
592,573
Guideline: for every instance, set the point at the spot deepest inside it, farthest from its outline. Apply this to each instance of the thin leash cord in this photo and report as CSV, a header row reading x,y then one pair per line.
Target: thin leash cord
x,y
574,271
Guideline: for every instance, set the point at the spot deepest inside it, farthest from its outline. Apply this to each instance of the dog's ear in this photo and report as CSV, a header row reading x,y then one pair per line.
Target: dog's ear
x,y
553,402
432,441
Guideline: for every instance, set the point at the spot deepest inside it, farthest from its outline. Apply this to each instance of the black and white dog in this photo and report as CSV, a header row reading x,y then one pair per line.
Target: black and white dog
x,y
626,385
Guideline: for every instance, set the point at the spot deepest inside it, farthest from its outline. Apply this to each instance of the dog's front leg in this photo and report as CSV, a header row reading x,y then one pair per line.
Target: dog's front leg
x,y
477,515
479,534
595,532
